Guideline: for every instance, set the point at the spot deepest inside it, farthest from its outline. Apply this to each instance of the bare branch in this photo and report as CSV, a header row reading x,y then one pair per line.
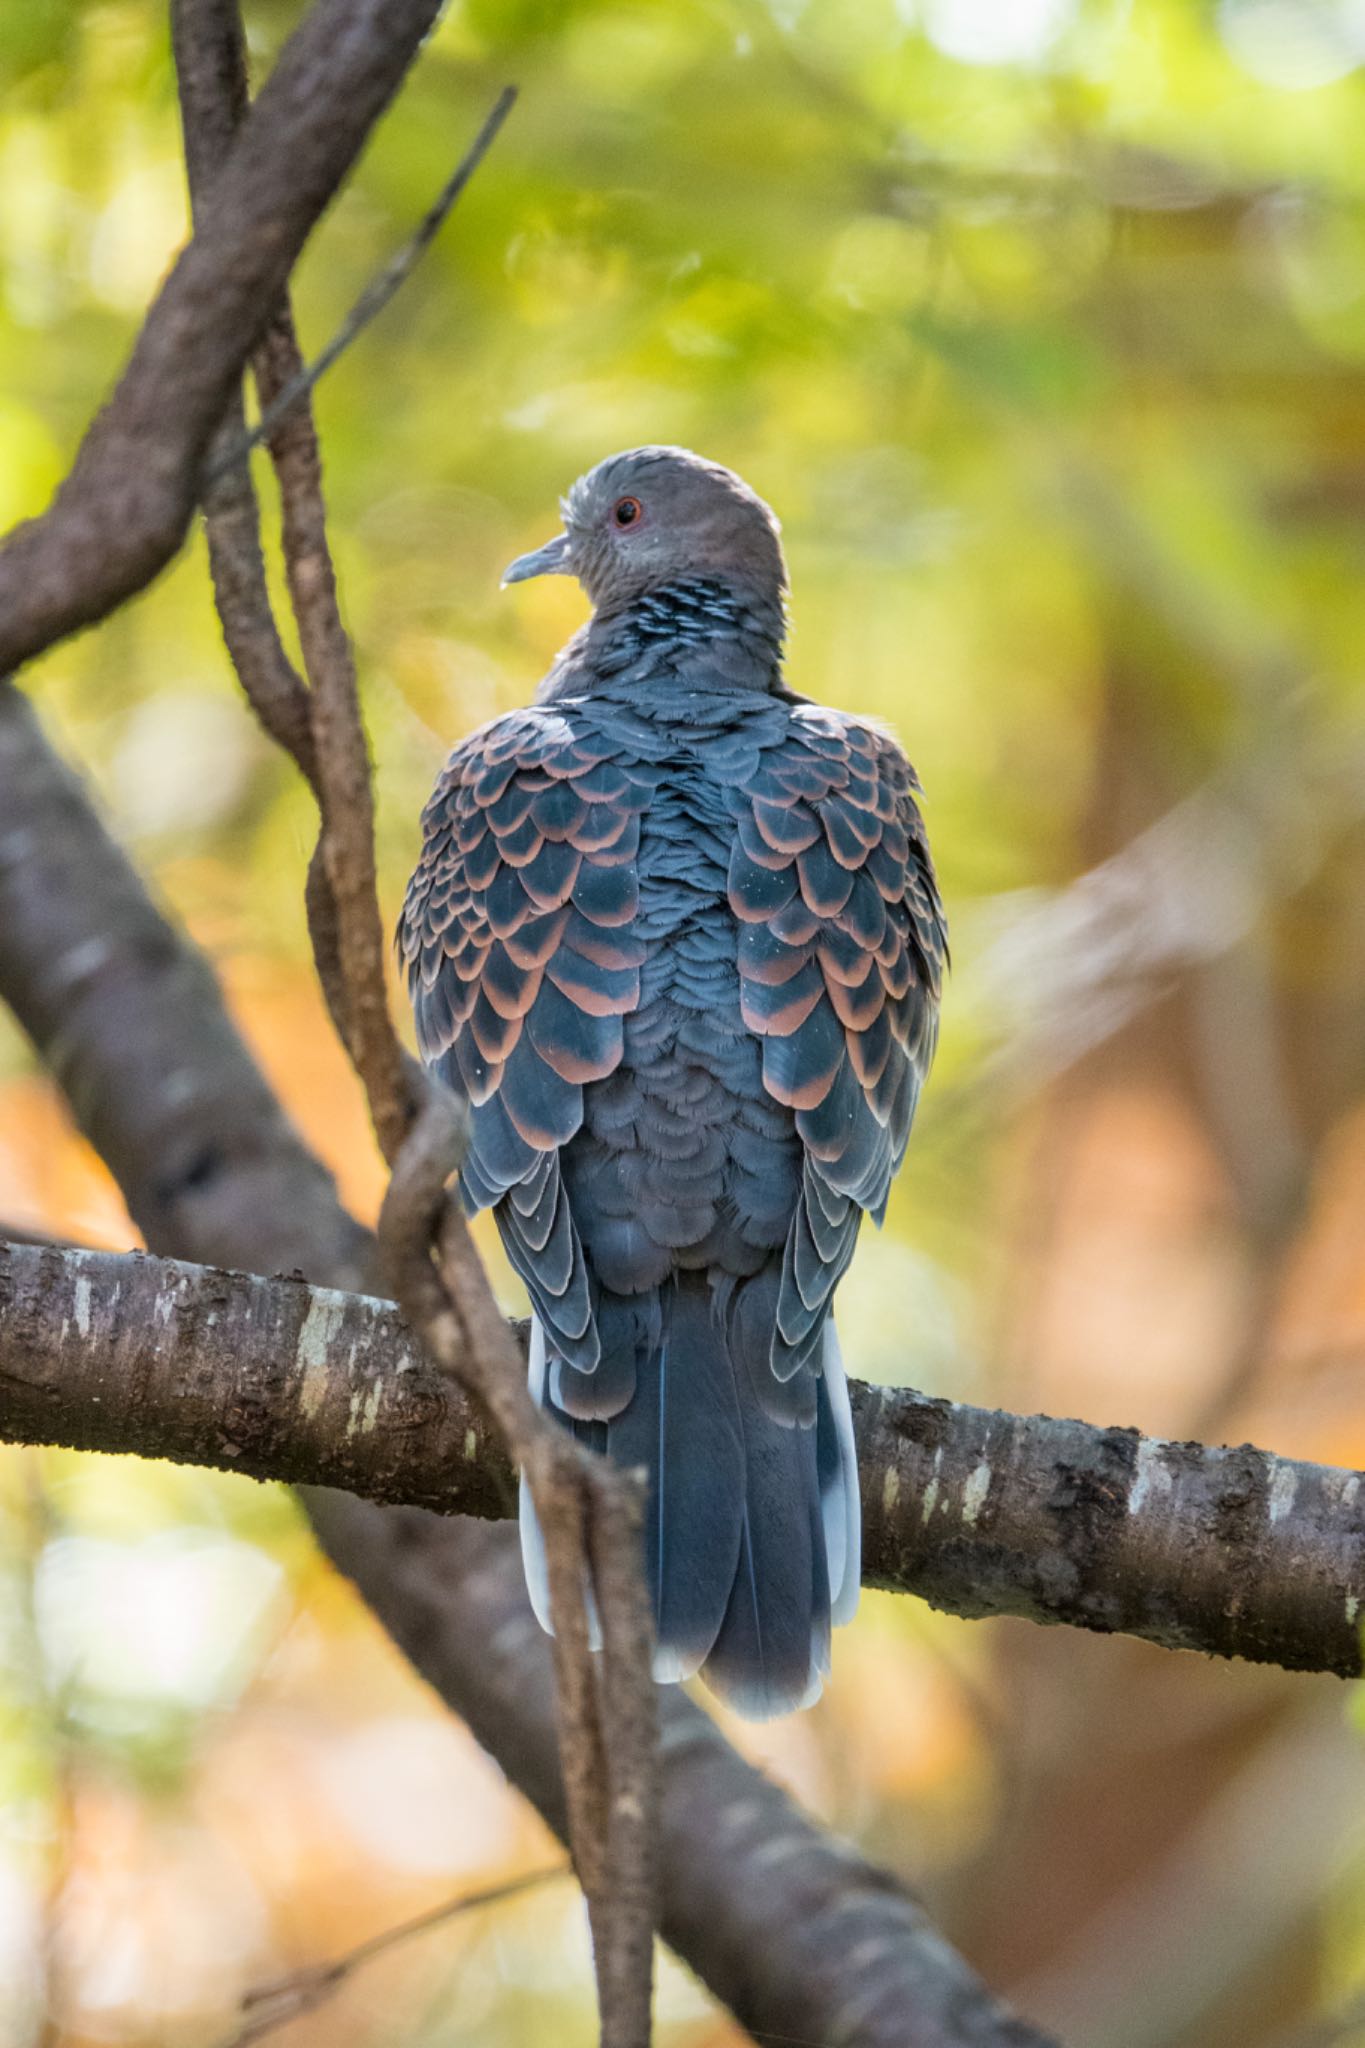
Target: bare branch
x,y
211,68
124,508
132,1023
1231,1552
260,1376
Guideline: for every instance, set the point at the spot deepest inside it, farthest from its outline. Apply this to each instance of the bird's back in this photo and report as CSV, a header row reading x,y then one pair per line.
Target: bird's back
x,y
675,936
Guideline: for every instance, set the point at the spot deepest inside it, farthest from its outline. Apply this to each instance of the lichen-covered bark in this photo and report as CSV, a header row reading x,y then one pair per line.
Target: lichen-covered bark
x,y
1236,1553
118,1352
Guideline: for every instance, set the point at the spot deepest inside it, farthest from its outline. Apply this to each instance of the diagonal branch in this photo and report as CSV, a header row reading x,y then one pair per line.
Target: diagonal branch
x,y
1231,1552
126,505
804,1941
794,1932
131,1021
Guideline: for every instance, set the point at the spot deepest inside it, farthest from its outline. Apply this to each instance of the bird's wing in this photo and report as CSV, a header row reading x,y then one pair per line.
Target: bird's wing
x,y
521,962
842,947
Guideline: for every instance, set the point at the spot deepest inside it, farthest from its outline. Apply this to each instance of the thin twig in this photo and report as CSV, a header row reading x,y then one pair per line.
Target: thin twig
x,y
372,300
211,65
343,903
275,2003
631,1721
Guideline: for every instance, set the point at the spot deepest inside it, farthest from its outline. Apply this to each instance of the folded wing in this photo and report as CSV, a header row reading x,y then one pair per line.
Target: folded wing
x,y
521,961
842,948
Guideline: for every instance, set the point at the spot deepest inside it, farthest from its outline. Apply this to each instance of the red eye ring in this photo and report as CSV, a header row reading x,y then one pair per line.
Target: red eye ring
x,y
626,512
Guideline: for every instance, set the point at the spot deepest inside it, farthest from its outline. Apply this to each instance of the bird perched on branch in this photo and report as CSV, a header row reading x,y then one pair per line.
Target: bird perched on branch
x,y
675,937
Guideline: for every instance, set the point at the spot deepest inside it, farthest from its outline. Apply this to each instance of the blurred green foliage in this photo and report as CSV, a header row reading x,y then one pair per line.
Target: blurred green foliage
x,y
1041,323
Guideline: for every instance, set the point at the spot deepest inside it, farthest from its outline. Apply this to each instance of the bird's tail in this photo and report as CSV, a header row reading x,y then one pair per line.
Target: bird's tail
x,y
752,1526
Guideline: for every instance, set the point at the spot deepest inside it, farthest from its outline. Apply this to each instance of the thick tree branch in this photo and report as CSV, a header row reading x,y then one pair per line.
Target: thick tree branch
x,y
124,509
118,1351
1236,1553
1231,1551
130,1019
803,1939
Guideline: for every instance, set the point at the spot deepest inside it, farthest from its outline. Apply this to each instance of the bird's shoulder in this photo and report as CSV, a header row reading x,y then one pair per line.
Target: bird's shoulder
x,y
848,737
834,791
556,737
525,752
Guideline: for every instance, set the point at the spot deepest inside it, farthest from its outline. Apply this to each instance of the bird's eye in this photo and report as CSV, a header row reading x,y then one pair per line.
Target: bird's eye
x,y
626,511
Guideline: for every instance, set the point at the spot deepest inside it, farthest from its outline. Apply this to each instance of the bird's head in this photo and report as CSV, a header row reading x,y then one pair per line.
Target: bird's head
x,y
654,515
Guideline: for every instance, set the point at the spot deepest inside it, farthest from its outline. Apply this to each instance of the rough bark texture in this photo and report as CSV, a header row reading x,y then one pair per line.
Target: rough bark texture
x,y
127,503
828,1949
1236,1553
109,1351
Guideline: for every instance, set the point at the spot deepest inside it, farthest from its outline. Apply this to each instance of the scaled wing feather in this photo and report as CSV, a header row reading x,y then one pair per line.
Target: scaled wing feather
x,y
520,959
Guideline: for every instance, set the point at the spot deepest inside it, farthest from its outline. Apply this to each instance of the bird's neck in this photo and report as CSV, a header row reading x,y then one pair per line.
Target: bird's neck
x,y
699,629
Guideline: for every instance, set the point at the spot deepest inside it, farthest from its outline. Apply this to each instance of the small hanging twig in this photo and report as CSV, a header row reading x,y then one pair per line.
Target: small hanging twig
x,y
273,2004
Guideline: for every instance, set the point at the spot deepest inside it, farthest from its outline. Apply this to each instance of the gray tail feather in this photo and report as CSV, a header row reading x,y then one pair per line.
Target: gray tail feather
x,y
752,1527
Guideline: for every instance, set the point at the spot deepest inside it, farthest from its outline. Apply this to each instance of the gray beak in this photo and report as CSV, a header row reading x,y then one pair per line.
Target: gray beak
x,y
551,560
